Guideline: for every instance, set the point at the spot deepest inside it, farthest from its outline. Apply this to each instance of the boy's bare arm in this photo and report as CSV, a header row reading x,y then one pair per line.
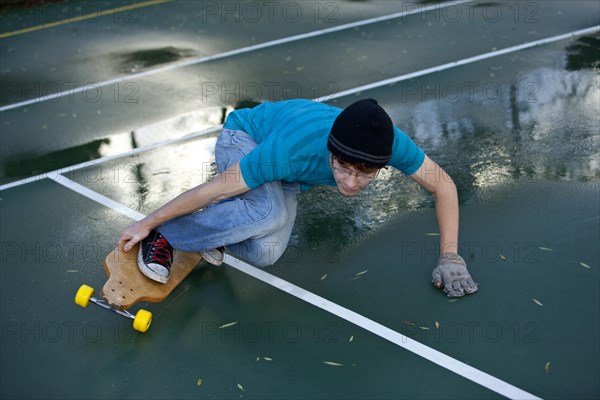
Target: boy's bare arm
x,y
433,178
451,272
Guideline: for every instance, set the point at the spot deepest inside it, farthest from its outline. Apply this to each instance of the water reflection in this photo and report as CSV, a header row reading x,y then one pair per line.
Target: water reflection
x,y
25,165
29,164
145,181
134,61
547,128
155,178
584,53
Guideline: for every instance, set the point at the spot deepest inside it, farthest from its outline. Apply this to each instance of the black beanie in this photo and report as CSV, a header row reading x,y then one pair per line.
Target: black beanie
x,y
362,134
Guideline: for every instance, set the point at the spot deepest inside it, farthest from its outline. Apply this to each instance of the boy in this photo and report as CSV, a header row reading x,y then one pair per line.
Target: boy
x,y
265,156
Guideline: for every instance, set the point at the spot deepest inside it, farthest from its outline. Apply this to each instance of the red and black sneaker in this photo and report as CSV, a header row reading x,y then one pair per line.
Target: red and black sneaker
x,y
155,257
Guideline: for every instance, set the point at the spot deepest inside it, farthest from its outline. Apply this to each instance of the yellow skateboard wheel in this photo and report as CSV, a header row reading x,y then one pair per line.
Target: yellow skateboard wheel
x,y
83,296
142,320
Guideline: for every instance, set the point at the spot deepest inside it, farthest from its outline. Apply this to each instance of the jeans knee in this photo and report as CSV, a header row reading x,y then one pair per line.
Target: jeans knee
x,y
276,219
272,216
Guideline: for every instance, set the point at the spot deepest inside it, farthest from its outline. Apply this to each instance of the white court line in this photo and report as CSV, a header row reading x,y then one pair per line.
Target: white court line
x,y
466,371
98,198
453,64
324,98
242,50
458,367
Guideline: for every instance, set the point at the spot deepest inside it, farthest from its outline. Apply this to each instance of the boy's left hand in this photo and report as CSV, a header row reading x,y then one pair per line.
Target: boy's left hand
x,y
452,275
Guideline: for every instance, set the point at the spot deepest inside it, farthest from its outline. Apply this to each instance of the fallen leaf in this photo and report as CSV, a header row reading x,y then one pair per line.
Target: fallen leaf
x,y
425,328
452,300
228,325
584,265
537,302
360,274
257,359
199,382
432,234
502,257
545,248
547,367
351,338
267,359
241,387
437,325
324,276
334,364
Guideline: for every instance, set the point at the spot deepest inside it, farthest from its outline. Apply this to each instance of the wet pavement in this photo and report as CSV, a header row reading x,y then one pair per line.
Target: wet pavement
x,y
82,121
519,133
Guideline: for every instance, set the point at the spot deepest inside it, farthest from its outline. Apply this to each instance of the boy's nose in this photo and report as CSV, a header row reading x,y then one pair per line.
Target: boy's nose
x,y
352,182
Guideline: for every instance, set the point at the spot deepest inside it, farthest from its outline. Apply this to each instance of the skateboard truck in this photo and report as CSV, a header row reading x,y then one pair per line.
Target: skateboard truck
x,y
141,320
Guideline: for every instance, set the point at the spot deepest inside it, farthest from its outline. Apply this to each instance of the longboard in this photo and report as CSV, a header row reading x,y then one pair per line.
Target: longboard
x,y
127,286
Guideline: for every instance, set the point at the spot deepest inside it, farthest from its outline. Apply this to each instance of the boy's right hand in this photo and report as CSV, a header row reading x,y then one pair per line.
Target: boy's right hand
x,y
133,235
452,275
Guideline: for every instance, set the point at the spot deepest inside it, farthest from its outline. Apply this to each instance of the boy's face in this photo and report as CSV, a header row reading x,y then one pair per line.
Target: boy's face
x,y
350,180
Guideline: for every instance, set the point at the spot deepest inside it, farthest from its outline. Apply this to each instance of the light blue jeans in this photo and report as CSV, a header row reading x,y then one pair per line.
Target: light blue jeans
x,y
255,226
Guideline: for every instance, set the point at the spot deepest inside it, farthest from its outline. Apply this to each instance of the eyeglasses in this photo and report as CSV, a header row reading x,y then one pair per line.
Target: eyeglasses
x,y
361,176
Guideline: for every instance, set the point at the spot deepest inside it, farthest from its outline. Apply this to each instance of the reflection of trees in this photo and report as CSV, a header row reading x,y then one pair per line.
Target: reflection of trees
x,y
584,53
140,179
561,129
25,165
544,126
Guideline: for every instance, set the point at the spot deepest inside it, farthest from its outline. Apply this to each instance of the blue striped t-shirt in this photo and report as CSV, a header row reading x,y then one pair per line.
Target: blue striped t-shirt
x,y
292,143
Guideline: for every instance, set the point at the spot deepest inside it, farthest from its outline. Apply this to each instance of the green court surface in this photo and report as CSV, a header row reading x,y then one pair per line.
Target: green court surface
x,y
504,96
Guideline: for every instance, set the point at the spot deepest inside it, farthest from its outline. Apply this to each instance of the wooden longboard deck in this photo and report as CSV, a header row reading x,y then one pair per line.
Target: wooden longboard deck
x,y
126,285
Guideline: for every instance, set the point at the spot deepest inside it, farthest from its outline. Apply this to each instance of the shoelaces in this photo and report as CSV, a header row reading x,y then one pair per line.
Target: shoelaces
x,y
161,251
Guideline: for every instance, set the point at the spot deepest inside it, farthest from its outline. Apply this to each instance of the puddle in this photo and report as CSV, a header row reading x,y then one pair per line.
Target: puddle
x,y
141,59
540,124
27,165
